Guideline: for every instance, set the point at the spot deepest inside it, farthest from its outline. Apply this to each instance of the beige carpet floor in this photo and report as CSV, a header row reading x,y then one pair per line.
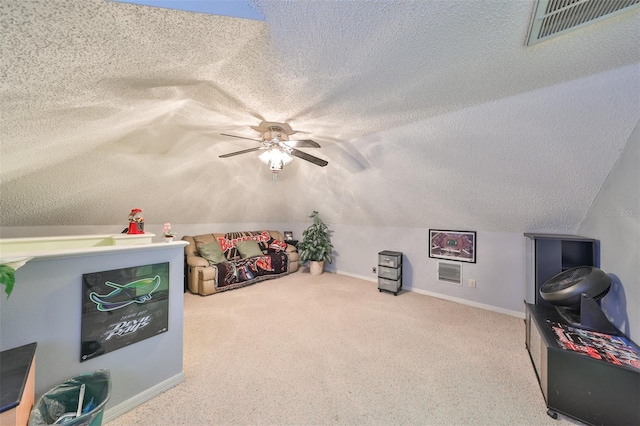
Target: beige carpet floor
x,y
331,349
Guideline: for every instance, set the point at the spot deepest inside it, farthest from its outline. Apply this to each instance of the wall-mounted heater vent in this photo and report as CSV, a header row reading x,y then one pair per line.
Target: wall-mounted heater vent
x,y
450,272
555,17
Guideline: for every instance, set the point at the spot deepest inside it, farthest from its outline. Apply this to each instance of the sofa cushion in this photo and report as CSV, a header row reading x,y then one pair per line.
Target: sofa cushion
x,y
247,271
276,245
230,239
212,252
248,249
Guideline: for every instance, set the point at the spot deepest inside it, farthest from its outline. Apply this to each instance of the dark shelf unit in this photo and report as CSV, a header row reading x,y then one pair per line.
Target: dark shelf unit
x,y
550,254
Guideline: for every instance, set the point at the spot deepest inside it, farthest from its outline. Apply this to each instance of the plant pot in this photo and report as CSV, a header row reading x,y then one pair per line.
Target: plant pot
x,y
315,267
168,239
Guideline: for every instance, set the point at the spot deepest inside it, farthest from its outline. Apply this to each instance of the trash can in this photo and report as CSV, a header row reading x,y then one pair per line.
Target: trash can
x,y
86,394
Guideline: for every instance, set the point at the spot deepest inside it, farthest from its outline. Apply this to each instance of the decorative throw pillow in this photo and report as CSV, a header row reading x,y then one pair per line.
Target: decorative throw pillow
x,y
212,252
276,246
248,249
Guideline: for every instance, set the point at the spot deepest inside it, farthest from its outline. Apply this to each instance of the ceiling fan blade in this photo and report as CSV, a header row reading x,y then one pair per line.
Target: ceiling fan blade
x,y
305,143
244,151
315,160
240,137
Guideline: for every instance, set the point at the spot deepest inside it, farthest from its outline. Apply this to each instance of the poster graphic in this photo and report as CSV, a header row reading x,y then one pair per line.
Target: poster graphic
x,y
123,306
616,350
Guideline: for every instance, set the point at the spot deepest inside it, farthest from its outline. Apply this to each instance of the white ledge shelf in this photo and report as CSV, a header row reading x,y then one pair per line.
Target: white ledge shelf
x,y
16,249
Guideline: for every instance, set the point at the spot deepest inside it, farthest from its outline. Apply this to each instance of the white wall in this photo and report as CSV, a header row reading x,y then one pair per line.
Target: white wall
x,y
155,228
498,271
614,219
46,306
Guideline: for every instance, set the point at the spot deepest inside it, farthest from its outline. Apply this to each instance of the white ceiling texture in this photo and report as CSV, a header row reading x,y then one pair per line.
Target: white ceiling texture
x,y
430,113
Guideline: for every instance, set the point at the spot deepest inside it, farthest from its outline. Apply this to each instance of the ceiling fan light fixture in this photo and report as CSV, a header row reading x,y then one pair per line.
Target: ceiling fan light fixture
x,y
276,158
277,149
275,135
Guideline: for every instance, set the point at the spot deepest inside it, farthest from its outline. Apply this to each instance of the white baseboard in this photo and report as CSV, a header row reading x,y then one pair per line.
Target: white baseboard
x,y
509,312
360,277
139,399
468,303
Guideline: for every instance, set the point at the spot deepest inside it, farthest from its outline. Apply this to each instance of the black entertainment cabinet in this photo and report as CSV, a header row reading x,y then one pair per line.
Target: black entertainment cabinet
x,y
591,390
575,378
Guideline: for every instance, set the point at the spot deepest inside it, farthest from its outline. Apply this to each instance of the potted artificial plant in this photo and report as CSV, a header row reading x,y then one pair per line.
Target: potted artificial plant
x,y
316,246
8,268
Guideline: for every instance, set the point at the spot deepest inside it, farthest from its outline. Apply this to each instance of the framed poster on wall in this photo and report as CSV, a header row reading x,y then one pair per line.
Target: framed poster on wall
x,y
452,245
123,306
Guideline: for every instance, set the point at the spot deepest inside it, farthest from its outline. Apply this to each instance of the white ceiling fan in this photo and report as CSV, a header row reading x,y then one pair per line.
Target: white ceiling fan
x,y
278,148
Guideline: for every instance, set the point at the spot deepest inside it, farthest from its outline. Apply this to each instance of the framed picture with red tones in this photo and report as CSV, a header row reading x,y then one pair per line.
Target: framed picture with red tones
x,y
452,245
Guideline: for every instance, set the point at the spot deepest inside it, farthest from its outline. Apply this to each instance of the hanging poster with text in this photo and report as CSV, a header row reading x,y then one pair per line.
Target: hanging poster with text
x,y
123,306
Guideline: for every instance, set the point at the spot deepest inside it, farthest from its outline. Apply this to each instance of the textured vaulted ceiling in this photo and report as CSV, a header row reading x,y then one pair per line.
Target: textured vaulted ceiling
x,y
430,113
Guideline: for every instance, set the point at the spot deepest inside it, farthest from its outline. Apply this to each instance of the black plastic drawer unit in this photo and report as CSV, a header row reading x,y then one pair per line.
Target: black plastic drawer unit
x,y
390,271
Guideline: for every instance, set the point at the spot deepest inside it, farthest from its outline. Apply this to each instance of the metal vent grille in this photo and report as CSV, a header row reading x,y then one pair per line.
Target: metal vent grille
x,y
450,272
555,17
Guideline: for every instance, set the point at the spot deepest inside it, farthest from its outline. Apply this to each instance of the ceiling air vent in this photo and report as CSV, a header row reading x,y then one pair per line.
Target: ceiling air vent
x,y
555,17
450,272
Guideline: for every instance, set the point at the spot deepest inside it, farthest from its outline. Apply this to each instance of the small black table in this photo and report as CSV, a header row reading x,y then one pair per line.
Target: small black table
x,y
18,377
292,242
